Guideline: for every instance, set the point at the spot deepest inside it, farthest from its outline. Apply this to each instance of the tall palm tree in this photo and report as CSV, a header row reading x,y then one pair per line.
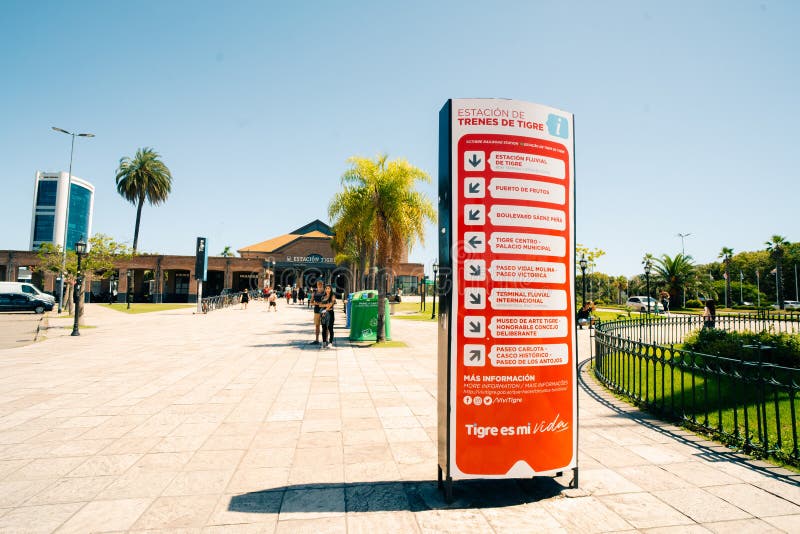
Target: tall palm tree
x,y
143,177
726,254
226,252
392,213
777,248
351,241
675,272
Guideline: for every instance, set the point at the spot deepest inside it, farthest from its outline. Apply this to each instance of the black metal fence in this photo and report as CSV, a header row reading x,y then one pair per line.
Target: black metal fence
x,y
747,402
223,301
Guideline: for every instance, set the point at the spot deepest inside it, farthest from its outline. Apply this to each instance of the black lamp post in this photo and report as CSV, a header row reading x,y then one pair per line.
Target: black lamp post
x,y
424,291
584,264
80,250
648,266
129,291
435,272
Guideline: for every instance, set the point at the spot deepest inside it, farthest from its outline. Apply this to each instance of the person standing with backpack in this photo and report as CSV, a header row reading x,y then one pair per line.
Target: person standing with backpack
x,y
316,300
327,317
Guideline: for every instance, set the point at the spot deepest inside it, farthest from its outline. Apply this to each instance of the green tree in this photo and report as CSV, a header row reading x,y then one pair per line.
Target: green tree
x,y
676,273
100,259
226,252
143,177
352,242
621,285
777,248
392,216
591,255
726,254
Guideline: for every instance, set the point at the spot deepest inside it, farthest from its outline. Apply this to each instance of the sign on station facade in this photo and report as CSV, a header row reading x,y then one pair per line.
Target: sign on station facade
x,y
507,348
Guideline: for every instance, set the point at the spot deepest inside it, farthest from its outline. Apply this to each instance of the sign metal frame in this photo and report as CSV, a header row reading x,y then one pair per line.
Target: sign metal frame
x,y
507,292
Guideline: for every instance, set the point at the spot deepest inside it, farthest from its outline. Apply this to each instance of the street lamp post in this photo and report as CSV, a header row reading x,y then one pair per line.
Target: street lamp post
x,y
80,250
424,290
129,292
583,263
648,266
66,215
683,236
435,272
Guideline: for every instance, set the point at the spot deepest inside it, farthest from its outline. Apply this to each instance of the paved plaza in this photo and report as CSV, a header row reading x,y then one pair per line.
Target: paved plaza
x,y
232,422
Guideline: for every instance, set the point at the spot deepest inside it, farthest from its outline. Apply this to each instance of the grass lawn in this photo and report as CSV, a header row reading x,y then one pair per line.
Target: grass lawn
x,y
143,307
696,391
409,311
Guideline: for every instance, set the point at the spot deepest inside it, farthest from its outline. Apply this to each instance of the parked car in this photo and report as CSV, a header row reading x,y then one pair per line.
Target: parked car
x,y
639,303
26,288
22,302
791,304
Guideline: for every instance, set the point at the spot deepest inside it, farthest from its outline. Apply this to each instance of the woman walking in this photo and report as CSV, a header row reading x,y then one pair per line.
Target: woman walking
x,y
327,317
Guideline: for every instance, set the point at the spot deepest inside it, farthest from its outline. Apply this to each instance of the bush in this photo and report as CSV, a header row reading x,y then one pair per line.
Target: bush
x,y
785,352
694,303
599,302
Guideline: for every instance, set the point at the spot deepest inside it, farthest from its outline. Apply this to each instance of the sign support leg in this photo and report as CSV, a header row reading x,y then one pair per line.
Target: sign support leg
x,y
574,482
445,484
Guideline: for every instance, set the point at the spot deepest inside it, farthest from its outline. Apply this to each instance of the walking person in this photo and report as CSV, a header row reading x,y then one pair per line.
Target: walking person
x,y
709,313
316,299
273,301
245,299
665,301
327,302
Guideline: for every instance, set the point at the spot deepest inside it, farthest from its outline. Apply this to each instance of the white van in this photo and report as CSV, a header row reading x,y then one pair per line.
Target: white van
x,y
28,289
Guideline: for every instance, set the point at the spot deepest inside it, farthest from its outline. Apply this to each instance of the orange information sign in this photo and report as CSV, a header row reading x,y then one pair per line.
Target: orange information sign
x,y
507,327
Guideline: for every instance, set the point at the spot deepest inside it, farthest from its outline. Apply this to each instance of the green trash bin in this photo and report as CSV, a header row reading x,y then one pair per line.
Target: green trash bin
x,y
364,317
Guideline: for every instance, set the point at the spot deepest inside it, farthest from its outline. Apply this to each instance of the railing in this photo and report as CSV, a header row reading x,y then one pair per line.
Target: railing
x,y
747,402
223,301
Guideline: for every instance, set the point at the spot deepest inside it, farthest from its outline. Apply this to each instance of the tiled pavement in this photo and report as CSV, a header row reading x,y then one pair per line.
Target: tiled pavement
x,y
231,422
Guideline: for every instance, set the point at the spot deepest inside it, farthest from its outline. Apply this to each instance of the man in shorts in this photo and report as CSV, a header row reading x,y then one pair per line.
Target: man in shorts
x,y
316,299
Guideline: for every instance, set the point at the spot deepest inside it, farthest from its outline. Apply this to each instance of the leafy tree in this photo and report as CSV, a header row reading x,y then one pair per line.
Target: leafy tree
x,y
621,285
777,248
591,255
392,213
675,272
103,252
352,242
726,254
143,177
226,252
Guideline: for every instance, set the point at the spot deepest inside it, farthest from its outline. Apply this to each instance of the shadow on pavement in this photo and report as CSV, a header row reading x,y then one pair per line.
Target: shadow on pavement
x,y
414,496
707,450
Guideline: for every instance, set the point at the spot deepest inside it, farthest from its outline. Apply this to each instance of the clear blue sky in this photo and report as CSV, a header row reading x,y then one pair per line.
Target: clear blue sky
x,y
686,112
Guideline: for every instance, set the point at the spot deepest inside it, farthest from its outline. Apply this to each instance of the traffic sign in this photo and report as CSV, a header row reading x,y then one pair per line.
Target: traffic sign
x,y
507,346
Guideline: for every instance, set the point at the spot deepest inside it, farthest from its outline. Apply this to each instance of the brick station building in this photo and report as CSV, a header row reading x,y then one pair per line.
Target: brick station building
x,y
301,256
305,255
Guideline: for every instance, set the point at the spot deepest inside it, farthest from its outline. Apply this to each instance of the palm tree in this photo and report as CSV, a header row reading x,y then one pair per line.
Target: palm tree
x,y
777,248
391,215
144,177
351,241
726,254
676,273
226,252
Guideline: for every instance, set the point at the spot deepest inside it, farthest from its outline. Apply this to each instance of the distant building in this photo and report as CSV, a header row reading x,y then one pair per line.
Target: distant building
x,y
50,194
304,255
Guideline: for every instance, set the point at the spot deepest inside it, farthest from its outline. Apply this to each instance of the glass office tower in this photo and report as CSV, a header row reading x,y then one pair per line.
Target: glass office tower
x,y
50,209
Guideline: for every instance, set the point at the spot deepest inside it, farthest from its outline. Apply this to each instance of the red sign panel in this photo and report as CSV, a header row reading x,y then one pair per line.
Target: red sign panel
x,y
512,362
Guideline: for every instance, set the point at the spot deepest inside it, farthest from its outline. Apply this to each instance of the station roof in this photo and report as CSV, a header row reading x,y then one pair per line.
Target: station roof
x,y
315,229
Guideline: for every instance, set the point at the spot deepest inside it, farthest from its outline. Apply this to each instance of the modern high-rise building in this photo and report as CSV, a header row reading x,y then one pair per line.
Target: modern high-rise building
x,y
50,197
